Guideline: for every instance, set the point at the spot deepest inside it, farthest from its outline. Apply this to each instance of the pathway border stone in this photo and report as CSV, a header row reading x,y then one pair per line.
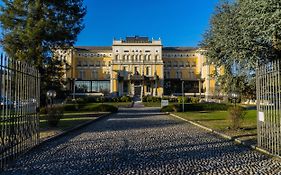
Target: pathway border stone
x,y
238,141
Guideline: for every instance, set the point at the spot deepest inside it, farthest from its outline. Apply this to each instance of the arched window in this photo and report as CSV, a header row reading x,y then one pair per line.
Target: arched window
x,y
124,57
137,58
156,57
149,57
116,57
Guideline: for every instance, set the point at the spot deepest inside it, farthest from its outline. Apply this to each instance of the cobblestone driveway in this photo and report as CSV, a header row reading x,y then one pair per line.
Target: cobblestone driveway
x,y
141,141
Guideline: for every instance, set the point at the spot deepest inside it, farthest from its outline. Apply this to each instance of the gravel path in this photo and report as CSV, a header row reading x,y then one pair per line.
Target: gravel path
x,y
142,141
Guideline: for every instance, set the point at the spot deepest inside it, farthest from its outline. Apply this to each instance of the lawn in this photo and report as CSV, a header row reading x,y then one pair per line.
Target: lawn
x,y
219,121
64,125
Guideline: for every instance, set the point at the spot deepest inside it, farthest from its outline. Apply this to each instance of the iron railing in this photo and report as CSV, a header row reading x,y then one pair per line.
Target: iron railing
x,y
19,121
269,107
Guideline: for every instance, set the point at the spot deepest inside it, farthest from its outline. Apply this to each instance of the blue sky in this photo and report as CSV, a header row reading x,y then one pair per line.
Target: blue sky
x,y
177,22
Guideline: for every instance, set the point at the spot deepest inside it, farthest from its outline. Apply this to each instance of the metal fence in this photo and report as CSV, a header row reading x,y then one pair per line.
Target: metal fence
x,y
19,121
269,107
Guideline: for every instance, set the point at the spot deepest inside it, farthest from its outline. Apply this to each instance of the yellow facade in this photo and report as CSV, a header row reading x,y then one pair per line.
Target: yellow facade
x,y
138,66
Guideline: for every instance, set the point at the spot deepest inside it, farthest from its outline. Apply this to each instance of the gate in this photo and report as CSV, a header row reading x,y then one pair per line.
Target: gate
x,y
269,107
19,121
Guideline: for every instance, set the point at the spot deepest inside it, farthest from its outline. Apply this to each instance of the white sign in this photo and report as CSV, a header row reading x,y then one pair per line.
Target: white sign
x,y
261,116
164,103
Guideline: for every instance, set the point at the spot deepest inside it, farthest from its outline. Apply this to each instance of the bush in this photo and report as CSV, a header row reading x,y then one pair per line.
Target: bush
x,y
236,115
195,99
169,108
43,110
72,107
101,108
54,114
186,99
125,99
151,99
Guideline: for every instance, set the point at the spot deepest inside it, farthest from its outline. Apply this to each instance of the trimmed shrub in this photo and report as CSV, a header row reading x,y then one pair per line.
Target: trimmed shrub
x,y
43,110
101,108
186,99
151,99
169,108
72,107
236,115
206,107
54,114
125,99
195,100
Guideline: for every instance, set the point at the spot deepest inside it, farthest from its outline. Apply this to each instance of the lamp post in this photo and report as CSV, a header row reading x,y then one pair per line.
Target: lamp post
x,y
182,90
74,89
234,95
51,94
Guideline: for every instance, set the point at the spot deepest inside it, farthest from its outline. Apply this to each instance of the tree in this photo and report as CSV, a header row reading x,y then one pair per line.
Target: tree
x,y
243,34
31,29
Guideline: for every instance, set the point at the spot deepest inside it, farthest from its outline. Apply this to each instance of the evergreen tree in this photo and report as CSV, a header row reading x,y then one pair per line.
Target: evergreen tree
x,y
32,29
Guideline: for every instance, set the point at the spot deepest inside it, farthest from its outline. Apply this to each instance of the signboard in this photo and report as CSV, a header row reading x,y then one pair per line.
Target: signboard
x,y
164,103
261,116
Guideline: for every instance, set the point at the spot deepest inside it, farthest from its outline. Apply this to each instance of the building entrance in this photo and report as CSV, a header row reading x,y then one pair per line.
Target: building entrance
x,y
137,91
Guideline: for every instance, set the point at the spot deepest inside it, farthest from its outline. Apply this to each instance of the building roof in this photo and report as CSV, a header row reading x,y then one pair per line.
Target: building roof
x,y
136,39
87,48
180,49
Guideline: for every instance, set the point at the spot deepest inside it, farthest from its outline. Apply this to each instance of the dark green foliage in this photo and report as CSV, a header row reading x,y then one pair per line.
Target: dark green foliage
x,y
188,99
151,99
242,35
170,108
170,99
32,29
101,108
196,107
236,115
54,114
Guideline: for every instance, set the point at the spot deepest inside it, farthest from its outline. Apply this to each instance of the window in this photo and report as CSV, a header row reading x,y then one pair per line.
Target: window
x,y
95,74
124,57
109,63
98,64
193,64
148,88
116,57
81,74
181,64
147,70
91,63
79,63
136,70
156,57
169,64
85,63
175,64
149,57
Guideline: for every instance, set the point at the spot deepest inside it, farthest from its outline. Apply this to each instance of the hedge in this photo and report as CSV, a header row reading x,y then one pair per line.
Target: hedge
x,y
197,107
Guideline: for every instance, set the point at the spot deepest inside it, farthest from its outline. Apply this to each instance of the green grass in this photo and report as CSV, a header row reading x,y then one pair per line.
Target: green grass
x,y
218,120
63,125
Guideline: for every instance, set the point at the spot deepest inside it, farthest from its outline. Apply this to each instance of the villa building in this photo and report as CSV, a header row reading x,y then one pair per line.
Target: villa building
x,y
138,66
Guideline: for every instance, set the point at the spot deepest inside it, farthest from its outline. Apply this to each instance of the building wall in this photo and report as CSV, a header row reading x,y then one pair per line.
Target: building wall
x,y
118,63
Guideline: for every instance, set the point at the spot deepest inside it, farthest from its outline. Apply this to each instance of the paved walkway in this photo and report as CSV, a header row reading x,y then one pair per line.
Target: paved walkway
x,y
143,141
